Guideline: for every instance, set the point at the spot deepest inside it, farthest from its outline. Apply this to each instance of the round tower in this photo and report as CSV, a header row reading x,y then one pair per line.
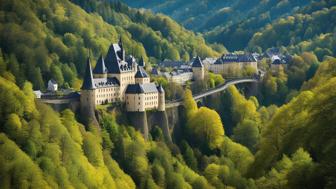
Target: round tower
x,y
161,102
87,97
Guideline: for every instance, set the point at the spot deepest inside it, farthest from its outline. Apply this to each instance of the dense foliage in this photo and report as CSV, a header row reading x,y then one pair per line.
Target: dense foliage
x,y
206,15
43,149
282,138
40,40
256,24
273,16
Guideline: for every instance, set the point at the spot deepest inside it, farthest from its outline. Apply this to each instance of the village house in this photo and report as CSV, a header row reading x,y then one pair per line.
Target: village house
x,y
231,65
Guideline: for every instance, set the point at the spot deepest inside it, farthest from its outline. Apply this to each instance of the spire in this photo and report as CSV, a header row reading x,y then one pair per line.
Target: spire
x,y
141,62
197,62
100,66
88,78
120,42
121,53
160,89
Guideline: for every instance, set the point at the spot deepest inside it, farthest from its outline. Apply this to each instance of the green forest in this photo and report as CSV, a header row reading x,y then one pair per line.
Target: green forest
x,y
256,24
51,39
283,137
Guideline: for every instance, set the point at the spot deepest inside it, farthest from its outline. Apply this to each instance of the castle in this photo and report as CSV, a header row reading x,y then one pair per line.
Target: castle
x,y
116,78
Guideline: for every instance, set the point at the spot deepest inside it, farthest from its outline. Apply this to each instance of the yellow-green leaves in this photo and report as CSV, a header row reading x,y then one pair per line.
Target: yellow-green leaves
x,y
207,128
204,124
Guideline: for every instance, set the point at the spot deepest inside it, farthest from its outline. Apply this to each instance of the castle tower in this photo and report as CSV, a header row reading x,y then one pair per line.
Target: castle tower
x,y
87,97
100,71
198,69
141,76
161,104
118,67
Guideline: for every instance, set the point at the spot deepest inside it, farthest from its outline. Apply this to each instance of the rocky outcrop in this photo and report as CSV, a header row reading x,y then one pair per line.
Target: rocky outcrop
x,y
139,121
159,118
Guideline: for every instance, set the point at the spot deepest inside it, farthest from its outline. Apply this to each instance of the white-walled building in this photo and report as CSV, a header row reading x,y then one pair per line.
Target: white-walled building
x,y
52,85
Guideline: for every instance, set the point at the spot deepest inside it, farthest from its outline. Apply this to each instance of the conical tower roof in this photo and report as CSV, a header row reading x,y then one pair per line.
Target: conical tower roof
x,y
160,89
88,83
100,66
142,62
141,73
197,62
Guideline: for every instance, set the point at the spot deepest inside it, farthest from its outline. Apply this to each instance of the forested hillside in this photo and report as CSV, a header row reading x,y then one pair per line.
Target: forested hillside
x,y
206,15
253,24
284,137
40,40
290,146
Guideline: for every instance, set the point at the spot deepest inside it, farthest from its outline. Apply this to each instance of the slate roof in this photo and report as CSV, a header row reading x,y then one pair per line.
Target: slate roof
x,y
88,78
115,59
229,58
160,89
100,66
130,60
52,81
134,89
141,73
105,82
197,63
149,87
141,62
170,63
155,71
141,88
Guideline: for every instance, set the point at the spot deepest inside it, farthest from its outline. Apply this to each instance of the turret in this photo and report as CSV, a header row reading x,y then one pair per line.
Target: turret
x,y
198,69
100,70
161,105
141,76
87,97
88,83
135,98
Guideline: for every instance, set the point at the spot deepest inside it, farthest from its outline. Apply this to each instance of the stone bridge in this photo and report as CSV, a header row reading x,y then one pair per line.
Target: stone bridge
x,y
222,87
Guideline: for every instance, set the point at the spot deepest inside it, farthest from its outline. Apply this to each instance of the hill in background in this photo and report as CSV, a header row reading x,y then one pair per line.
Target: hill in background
x,y
235,23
